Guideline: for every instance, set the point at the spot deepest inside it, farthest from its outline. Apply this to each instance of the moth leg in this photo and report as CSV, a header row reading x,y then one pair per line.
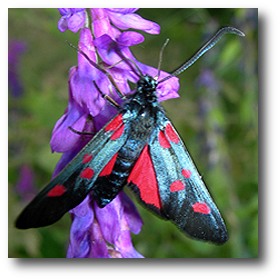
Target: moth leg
x,y
107,97
81,132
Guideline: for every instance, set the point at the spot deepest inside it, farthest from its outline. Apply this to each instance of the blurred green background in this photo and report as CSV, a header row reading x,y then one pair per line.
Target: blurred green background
x,y
216,115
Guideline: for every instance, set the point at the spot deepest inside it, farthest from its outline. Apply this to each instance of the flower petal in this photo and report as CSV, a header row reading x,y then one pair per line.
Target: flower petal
x,y
115,225
101,23
131,214
62,24
80,238
63,11
98,244
133,21
108,218
76,22
168,89
122,10
63,139
130,38
124,244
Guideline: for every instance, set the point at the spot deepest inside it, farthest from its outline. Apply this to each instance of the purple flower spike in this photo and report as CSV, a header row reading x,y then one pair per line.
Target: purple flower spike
x,y
25,185
15,50
102,232
72,19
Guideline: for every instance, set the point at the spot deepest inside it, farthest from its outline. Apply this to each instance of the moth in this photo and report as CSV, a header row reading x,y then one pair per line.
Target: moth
x,y
139,147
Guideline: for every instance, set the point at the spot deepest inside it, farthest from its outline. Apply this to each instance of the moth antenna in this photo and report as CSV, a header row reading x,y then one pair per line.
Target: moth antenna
x,y
160,58
209,45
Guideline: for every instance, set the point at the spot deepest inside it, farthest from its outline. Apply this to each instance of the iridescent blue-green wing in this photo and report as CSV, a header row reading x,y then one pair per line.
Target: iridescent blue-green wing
x,y
184,197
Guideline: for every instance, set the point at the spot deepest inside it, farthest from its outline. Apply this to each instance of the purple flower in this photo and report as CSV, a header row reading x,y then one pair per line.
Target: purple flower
x,y
206,79
25,185
105,232
16,49
73,19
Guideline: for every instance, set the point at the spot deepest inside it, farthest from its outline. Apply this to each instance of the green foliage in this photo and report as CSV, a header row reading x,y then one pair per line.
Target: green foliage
x,y
223,140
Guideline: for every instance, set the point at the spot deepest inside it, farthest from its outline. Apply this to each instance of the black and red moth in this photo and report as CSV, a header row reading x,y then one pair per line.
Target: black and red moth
x,y
140,148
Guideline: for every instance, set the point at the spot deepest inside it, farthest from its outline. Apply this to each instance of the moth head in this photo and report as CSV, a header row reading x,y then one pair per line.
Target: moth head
x,y
147,84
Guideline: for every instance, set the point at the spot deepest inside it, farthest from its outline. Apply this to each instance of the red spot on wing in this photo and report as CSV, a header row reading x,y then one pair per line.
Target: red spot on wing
x,y
117,134
115,123
177,186
144,177
58,190
87,173
186,173
107,170
171,134
163,140
201,208
87,158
